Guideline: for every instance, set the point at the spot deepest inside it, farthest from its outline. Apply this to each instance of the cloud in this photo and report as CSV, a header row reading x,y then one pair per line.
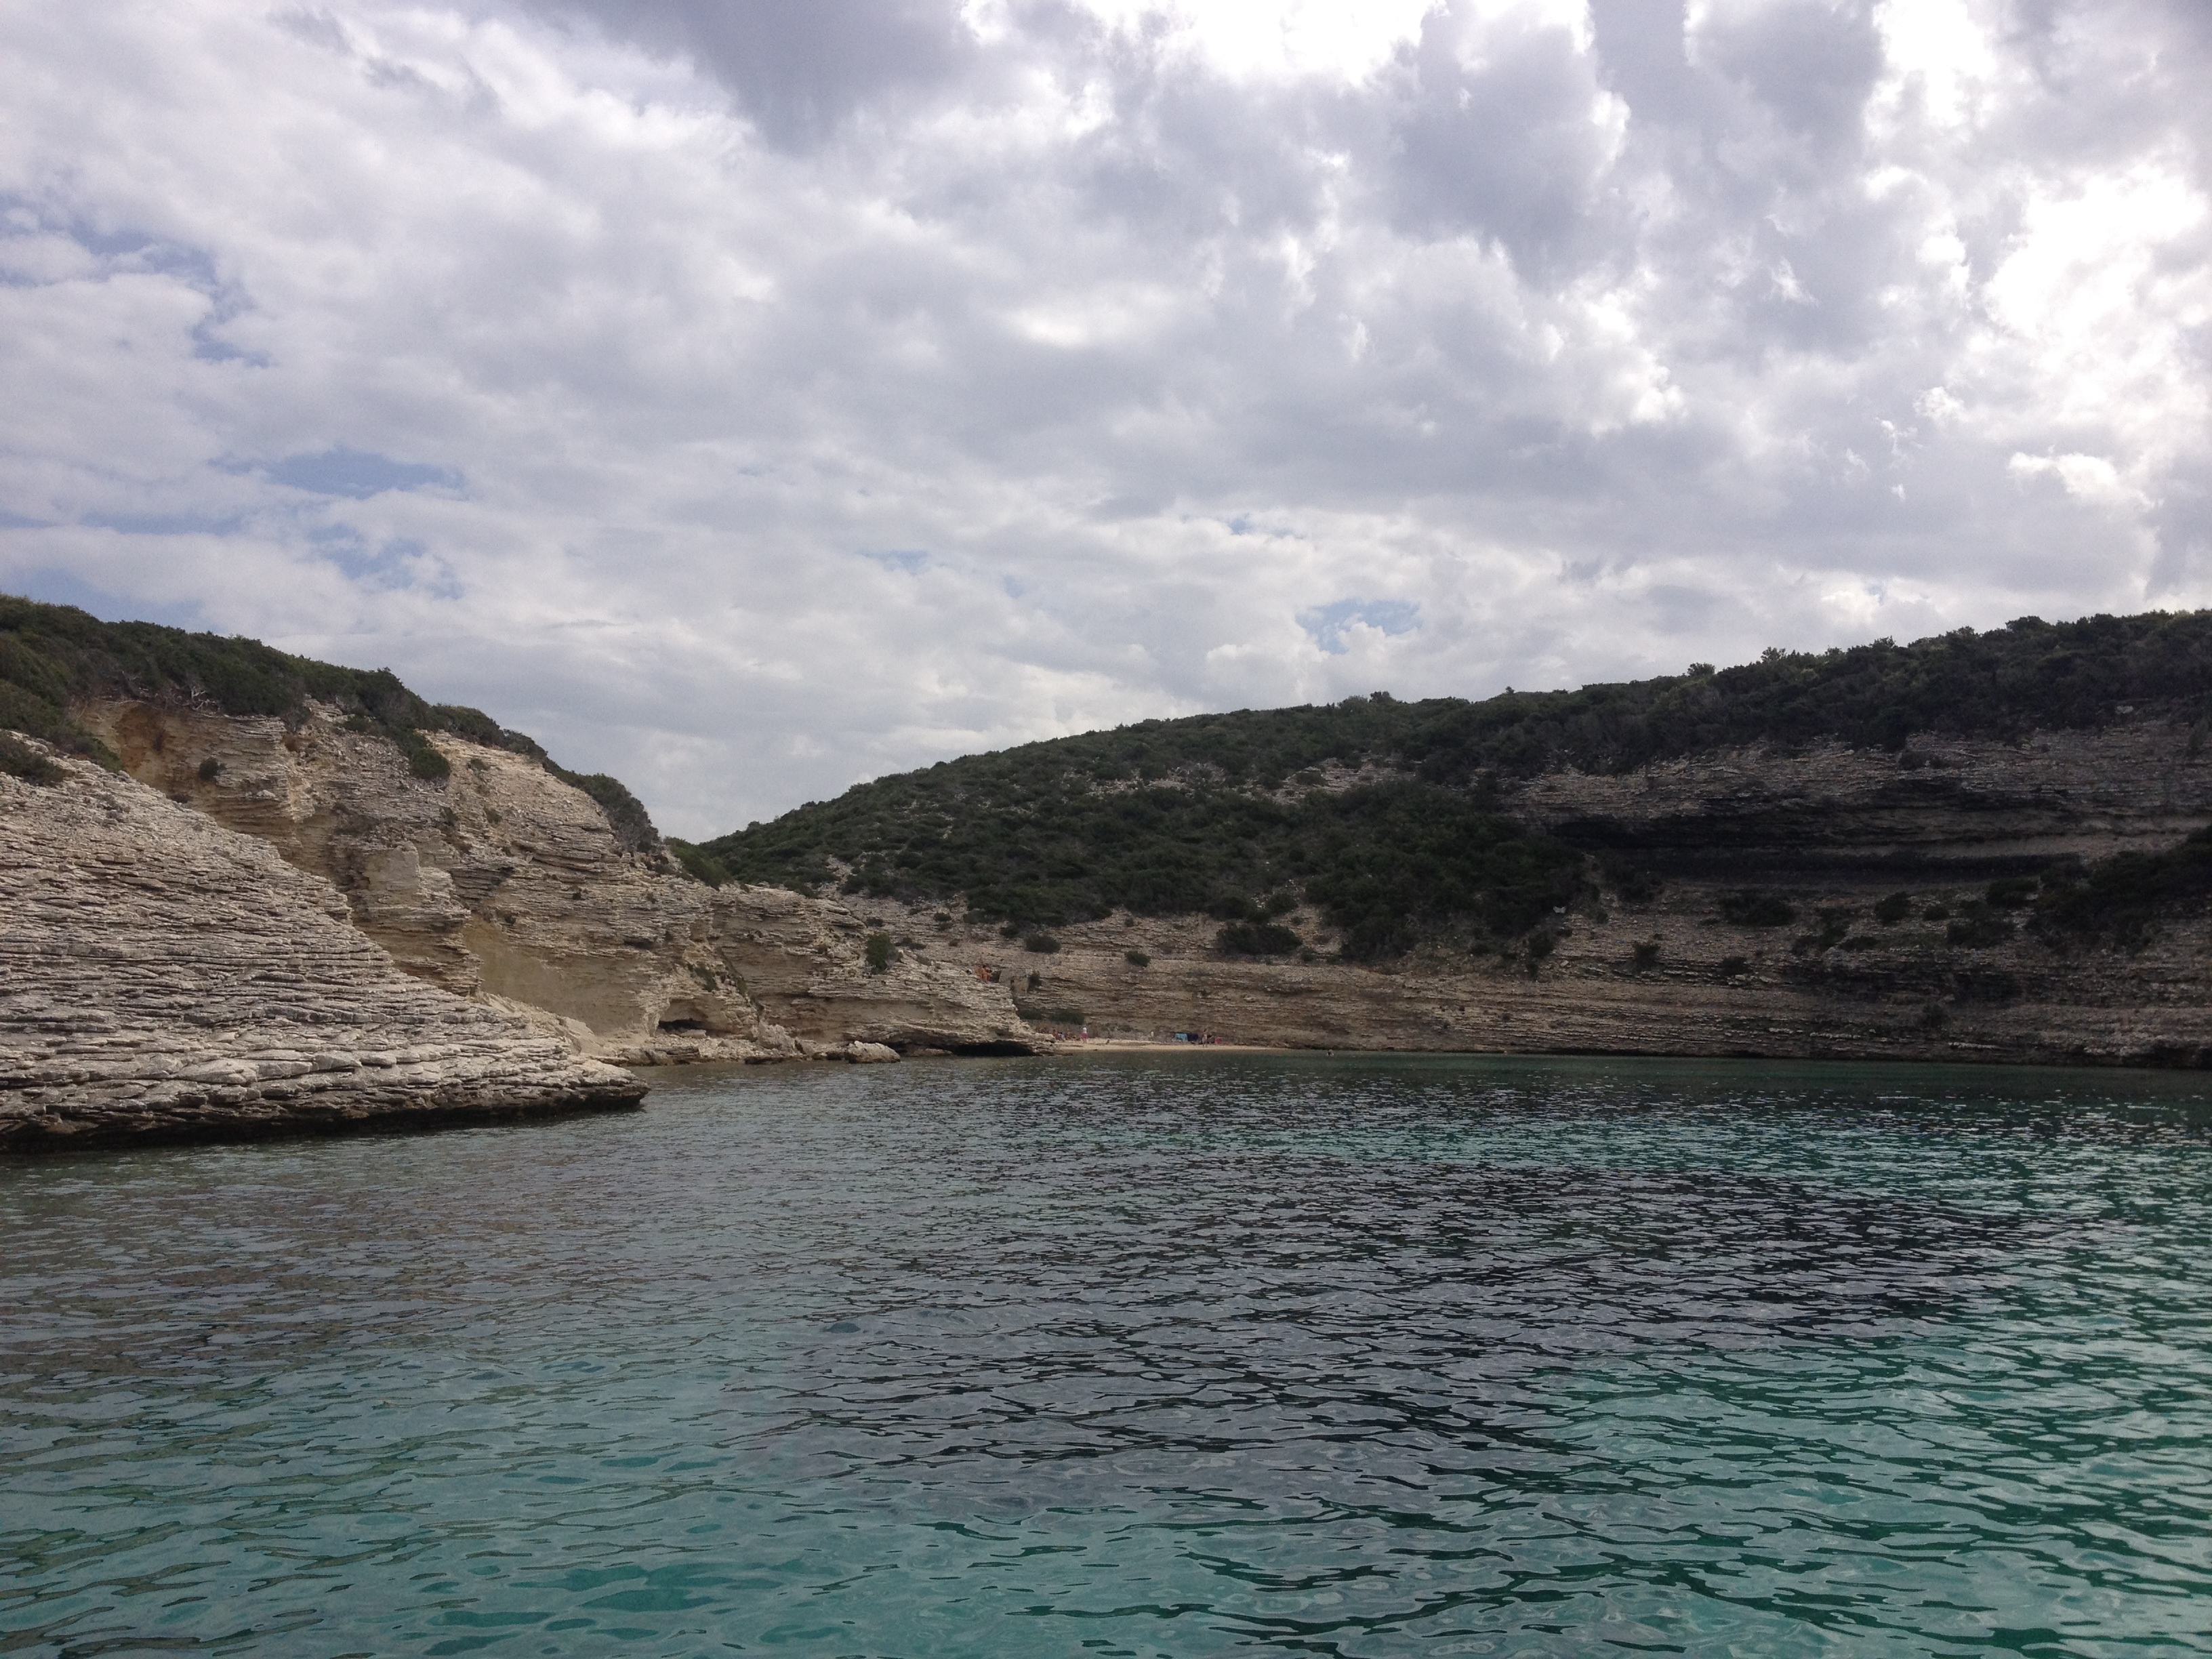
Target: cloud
x,y
748,398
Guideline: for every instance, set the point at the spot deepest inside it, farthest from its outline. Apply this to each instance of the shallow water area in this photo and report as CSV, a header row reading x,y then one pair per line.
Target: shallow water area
x,y
1123,1355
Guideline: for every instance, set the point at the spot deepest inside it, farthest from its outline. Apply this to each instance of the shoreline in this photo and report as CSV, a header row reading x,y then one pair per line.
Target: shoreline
x,y
1964,1055
1153,1046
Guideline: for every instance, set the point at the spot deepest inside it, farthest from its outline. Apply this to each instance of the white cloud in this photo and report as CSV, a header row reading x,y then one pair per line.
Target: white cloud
x,y
747,400
1280,39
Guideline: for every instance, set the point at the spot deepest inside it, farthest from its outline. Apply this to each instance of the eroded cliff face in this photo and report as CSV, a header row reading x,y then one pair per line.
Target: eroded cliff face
x,y
505,884
1965,806
801,960
163,977
1828,833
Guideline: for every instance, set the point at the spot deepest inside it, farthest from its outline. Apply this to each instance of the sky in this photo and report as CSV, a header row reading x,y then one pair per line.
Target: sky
x,y
749,398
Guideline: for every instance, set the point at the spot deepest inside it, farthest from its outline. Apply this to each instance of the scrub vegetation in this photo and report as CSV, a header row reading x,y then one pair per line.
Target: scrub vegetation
x,y
2121,900
1384,815
52,656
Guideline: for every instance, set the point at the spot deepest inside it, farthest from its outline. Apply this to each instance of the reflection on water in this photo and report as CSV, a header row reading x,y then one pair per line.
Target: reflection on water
x,y
1193,1356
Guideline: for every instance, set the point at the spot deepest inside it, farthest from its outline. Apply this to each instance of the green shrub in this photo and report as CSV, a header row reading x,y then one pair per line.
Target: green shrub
x,y
1893,909
2122,899
1042,943
879,953
2010,893
19,760
695,861
1631,883
1985,985
1136,958
1255,939
1731,967
1748,907
423,759
1977,927
1644,955
210,770
626,814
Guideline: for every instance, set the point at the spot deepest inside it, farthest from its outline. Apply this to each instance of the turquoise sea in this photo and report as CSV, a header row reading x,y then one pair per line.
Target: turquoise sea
x,y
1184,1356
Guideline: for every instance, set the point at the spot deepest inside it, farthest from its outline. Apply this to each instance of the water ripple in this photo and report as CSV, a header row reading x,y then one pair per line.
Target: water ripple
x,y
1353,1357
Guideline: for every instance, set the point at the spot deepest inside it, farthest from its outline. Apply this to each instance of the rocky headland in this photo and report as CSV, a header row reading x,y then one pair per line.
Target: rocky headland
x,y
500,881
162,978
242,893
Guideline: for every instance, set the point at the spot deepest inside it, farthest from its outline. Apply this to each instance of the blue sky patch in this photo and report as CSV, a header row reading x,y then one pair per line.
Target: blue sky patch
x,y
59,587
1326,622
394,564
164,524
909,560
358,473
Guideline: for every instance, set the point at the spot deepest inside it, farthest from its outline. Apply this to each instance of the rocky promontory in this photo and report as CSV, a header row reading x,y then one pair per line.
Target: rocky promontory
x,y
500,881
164,978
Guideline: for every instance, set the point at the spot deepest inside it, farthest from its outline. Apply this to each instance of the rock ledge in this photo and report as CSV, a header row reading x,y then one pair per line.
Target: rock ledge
x,y
163,978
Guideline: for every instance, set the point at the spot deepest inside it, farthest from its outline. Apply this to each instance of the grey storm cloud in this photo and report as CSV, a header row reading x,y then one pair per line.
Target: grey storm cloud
x,y
799,71
749,398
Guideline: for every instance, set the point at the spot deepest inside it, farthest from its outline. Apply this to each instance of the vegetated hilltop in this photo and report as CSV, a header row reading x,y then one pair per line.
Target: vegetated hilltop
x,y
1388,817
53,656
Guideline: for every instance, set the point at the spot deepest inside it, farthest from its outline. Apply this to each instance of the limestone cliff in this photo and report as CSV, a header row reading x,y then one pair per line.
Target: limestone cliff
x,y
164,977
1668,957
503,883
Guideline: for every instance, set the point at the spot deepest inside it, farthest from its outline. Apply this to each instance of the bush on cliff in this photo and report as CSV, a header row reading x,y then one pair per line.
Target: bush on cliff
x,y
1255,939
1750,907
697,863
52,656
19,760
2121,900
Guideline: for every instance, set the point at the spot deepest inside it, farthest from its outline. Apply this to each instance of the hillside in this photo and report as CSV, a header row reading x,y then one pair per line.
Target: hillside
x,y
1393,819
53,656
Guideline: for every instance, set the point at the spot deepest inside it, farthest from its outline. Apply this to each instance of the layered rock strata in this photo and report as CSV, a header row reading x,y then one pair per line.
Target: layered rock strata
x,y
162,977
503,883
1827,833
1942,807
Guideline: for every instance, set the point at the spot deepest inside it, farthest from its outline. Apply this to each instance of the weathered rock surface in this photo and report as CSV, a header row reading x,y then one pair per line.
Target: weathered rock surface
x,y
1962,807
1830,832
163,977
801,960
505,884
